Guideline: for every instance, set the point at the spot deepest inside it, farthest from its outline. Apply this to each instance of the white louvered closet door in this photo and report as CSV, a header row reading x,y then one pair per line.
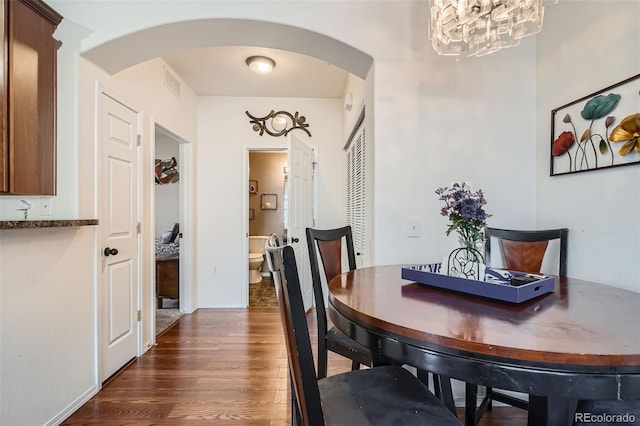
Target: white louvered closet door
x,y
356,201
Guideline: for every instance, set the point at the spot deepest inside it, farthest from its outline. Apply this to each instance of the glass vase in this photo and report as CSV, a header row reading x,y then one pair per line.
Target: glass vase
x,y
474,248
467,242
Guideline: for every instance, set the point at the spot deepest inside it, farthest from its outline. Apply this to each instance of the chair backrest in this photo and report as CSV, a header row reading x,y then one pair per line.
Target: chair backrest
x,y
524,250
271,242
282,263
329,244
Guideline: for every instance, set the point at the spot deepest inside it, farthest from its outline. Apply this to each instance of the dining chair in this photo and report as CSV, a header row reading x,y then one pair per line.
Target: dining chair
x,y
382,395
326,248
272,241
522,251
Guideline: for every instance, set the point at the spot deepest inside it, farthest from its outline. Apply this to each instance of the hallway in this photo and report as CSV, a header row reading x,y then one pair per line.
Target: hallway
x,y
216,366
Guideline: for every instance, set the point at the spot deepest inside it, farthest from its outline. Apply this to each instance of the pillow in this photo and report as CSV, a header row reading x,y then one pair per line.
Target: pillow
x,y
175,231
171,234
165,238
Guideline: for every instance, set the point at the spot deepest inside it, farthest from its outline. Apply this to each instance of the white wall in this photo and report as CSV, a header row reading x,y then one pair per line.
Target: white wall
x,y
439,121
357,87
47,320
224,135
580,51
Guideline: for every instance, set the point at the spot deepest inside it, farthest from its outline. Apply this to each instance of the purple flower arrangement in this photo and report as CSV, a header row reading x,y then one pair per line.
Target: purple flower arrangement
x,y
465,209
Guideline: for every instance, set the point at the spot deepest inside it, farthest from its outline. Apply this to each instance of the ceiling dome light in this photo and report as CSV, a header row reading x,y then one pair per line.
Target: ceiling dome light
x,y
261,64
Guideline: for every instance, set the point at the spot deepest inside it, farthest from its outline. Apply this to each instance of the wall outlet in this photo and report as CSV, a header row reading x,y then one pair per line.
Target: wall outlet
x,y
414,227
45,206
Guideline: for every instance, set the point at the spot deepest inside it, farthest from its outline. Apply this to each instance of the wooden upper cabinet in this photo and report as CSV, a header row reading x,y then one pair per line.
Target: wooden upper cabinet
x,y
28,98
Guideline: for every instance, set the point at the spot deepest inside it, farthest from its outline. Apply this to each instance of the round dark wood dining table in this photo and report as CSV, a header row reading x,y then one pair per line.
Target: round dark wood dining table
x,y
581,342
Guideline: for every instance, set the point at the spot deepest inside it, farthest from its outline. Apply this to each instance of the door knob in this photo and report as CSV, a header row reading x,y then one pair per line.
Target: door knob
x,y
110,251
294,240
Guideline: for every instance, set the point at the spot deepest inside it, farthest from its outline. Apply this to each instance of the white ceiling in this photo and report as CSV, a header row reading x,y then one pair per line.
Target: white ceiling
x,y
222,71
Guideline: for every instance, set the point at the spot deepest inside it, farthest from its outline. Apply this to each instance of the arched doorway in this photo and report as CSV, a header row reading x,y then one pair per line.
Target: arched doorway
x,y
134,48
138,47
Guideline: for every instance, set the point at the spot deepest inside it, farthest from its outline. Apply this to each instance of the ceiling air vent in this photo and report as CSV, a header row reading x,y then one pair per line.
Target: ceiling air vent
x,y
171,82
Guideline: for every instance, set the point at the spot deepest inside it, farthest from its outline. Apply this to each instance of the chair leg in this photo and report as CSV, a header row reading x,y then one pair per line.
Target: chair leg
x,y
470,396
355,365
473,413
322,363
488,396
295,415
485,405
437,386
423,376
551,411
296,419
446,394
379,360
441,388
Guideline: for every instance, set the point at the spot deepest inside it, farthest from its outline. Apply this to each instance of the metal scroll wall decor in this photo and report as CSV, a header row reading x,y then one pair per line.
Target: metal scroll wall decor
x,y
279,123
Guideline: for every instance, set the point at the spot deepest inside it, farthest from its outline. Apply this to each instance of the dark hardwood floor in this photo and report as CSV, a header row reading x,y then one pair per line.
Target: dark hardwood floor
x,y
216,366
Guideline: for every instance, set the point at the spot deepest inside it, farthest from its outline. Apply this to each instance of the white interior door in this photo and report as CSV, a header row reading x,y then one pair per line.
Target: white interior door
x,y
119,130
300,164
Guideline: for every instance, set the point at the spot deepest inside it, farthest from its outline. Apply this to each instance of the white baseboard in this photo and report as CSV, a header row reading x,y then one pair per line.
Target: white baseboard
x,y
73,407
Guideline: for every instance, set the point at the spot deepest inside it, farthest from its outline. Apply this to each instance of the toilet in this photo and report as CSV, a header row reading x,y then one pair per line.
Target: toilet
x,y
256,258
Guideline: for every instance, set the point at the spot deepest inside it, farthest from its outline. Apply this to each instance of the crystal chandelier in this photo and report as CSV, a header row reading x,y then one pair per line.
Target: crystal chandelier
x,y
466,28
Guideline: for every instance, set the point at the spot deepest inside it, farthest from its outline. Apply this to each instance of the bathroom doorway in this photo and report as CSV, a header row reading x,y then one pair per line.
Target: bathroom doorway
x,y
268,204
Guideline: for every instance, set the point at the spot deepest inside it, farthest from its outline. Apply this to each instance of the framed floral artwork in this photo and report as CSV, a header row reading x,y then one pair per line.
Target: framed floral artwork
x,y
598,131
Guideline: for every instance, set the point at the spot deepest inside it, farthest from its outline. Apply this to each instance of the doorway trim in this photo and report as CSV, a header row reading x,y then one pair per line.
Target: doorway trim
x,y
246,149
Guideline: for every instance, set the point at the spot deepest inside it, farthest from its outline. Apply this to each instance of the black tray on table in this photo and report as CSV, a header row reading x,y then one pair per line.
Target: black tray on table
x,y
424,274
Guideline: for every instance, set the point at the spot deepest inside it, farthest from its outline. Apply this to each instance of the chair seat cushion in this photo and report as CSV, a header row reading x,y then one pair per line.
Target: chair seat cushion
x,y
388,395
342,344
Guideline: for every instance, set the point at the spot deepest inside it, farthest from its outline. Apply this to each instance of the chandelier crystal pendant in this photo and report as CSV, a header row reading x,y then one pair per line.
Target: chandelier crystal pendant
x,y
467,28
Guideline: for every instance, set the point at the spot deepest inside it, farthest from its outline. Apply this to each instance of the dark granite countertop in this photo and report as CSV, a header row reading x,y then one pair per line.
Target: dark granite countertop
x,y
53,223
